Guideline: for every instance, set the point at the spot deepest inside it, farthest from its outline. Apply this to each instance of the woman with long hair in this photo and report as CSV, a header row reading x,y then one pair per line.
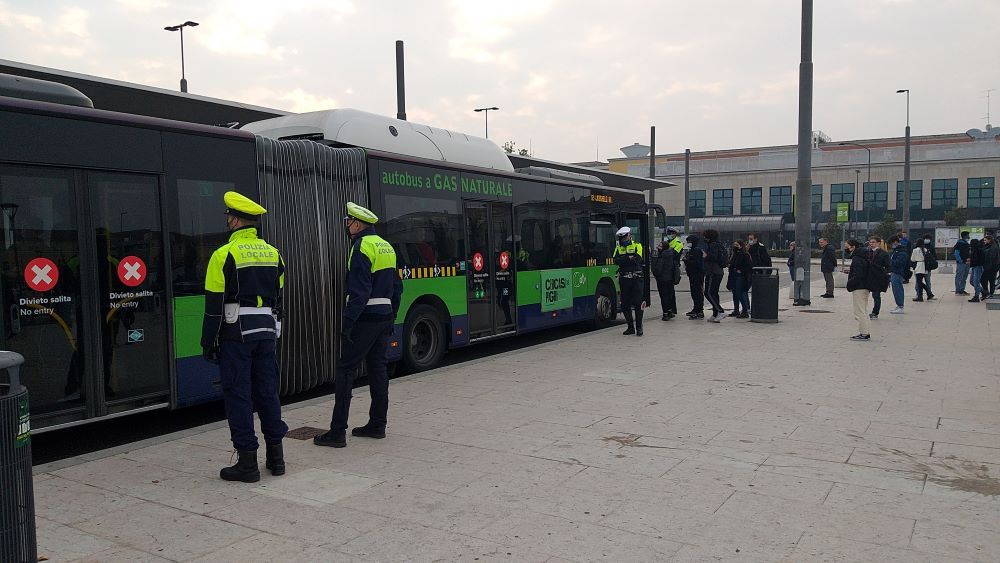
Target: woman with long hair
x,y
740,269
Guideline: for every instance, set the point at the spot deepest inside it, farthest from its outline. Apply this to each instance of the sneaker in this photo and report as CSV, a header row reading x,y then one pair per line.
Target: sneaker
x,y
896,311
744,316
974,299
918,299
715,319
827,296
733,314
962,293
696,316
629,331
862,337
331,439
930,298
873,316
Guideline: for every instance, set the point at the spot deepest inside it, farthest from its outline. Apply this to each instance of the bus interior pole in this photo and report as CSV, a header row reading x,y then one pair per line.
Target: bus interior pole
x,y
687,190
400,84
803,184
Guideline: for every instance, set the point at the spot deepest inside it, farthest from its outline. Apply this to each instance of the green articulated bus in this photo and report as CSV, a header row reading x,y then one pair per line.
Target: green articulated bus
x,y
109,220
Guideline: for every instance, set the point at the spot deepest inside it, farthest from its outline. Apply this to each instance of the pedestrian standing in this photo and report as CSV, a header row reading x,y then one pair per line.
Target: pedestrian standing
x,y
880,259
628,256
991,265
243,285
740,270
919,260
827,265
899,263
977,258
860,285
758,252
961,252
716,259
791,261
373,292
694,267
667,272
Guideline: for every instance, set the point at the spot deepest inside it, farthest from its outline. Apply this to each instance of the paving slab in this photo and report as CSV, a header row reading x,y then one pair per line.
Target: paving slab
x,y
699,442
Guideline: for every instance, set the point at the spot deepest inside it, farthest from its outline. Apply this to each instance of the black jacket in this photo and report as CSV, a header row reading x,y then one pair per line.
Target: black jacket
x,y
740,265
666,265
881,263
713,262
759,255
694,263
976,255
828,262
865,272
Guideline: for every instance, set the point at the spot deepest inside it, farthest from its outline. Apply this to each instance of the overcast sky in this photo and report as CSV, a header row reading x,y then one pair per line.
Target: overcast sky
x,y
576,79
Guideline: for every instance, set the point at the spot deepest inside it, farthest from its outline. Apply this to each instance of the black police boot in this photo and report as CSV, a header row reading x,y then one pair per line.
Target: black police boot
x,y
629,330
331,439
245,469
638,323
275,459
369,431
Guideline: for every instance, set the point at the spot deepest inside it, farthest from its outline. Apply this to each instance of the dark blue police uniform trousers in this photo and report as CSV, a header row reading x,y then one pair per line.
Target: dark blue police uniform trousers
x,y
371,339
250,381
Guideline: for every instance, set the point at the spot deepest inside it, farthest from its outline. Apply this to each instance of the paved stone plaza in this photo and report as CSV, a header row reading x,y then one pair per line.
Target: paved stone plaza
x,y
697,442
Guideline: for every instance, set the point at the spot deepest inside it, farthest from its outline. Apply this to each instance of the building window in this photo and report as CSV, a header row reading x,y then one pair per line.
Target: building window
x,y
876,196
981,192
722,202
780,200
916,194
944,193
841,193
751,201
817,199
696,203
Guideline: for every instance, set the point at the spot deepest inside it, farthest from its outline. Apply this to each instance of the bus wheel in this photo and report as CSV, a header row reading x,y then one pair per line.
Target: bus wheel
x,y
607,308
423,338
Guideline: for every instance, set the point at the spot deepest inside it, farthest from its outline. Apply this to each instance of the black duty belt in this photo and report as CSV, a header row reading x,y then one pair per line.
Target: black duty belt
x,y
630,275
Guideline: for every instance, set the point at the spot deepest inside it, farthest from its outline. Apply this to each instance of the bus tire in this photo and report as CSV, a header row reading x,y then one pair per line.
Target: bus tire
x,y
424,342
606,305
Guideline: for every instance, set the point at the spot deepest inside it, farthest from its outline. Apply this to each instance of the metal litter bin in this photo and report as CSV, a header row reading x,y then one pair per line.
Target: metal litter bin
x,y
17,499
764,305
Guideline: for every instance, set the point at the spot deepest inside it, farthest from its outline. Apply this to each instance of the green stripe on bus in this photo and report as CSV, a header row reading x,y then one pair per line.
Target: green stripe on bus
x,y
188,315
584,280
449,289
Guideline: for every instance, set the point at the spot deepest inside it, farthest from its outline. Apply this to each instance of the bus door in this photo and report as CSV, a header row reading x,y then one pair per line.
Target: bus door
x,y
490,269
82,284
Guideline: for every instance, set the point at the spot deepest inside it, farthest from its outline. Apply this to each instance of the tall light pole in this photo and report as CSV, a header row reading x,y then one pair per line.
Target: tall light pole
x,y
857,182
487,110
906,167
803,181
868,215
184,82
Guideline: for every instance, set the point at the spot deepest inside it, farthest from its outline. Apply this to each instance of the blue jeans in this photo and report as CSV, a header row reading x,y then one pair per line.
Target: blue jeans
x,y
961,275
741,295
876,302
927,282
977,278
896,281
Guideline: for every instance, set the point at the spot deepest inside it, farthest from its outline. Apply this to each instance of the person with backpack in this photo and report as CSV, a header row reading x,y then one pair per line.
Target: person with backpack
x,y
880,260
977,258
923,261
716,260
694,267
899,263
667,272
740,270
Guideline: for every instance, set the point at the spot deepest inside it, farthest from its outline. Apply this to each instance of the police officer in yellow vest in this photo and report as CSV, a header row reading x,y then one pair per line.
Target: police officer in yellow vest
x,y
373,293
628,257
243,287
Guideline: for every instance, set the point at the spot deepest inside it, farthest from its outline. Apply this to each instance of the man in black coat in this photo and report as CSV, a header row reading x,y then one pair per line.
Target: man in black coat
x,y
758,252
863,278
827,265
694,267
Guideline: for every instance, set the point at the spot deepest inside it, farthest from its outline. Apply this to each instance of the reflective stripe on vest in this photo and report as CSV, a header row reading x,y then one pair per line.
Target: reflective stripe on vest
x,y
632,248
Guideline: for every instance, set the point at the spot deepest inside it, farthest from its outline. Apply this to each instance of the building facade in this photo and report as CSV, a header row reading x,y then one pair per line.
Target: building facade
x,y
749,190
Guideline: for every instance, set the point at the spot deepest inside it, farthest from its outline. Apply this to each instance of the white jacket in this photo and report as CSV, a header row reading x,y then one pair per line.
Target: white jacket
x,y
918,256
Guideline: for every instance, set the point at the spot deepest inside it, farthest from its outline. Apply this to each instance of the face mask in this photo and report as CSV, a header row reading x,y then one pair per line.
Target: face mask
x,y
752,242
927,241
670,237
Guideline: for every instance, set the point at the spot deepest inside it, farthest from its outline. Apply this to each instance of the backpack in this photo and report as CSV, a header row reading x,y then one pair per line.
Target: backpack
x,y
722,257
930,260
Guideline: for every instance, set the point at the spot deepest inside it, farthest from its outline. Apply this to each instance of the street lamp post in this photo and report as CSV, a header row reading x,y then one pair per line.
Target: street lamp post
x,y
868,215
857,181
487,110
906,167
189,23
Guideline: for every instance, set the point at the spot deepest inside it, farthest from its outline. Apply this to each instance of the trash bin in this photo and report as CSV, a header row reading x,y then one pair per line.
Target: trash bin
x,y
764,305
17,499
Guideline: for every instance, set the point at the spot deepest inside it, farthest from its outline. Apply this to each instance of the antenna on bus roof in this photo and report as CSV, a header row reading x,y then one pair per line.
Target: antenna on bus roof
x,y
400,83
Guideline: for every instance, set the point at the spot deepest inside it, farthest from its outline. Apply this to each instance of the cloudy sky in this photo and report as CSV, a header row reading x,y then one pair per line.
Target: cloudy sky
x,y
575,79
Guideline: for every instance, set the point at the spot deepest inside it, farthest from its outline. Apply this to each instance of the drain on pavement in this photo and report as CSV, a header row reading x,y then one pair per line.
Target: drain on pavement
x,y
814,311
304,433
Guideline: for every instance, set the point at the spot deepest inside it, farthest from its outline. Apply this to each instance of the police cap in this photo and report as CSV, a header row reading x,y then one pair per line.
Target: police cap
x,y
624,232
239,205
355,211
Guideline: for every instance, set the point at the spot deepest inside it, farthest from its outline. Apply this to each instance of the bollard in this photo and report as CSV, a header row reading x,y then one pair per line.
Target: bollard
x,y
17,501
764,305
